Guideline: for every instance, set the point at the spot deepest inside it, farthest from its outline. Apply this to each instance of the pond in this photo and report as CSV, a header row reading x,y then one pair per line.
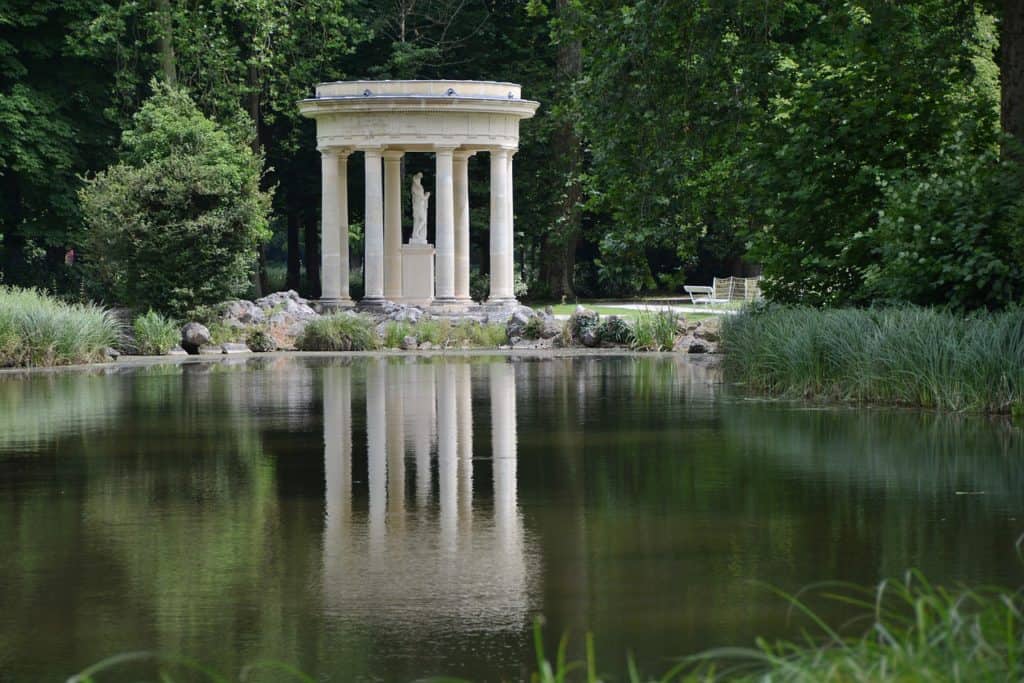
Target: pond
x,y
390,518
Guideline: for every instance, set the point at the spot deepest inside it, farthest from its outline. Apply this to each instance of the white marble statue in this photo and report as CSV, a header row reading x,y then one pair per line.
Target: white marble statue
x,y
420,200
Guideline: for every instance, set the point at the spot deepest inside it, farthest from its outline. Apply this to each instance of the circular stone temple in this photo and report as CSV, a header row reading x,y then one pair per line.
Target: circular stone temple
x,y
385,120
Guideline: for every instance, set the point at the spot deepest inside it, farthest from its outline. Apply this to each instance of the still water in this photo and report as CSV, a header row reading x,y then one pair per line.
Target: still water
x,y
388,519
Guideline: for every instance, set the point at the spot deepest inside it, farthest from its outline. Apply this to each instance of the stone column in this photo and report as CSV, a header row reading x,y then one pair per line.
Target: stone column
x,y
444,277
393,224
501,242
334,228
511,227
373,265
460,168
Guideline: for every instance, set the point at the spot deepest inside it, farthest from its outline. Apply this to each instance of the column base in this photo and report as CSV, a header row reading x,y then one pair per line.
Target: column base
x,y
371,303
327,306
499,310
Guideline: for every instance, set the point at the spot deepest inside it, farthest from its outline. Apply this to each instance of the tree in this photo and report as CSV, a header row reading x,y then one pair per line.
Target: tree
x,y
175,223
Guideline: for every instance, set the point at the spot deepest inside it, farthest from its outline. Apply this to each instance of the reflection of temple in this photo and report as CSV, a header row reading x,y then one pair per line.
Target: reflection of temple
x,y
404,557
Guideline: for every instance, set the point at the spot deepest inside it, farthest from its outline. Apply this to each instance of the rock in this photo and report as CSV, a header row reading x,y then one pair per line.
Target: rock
x,y
210,350
709,330
286,315
403,313
193,336
583,324
520,322
551,327
177,351
241,313
111,353
698,346
231,347
426,346
408,343
615,330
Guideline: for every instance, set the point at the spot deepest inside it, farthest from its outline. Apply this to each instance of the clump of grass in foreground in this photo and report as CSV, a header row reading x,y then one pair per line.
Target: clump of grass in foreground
x,y
39,330
654,332
912,631
155,335
339,332
443,333
900,355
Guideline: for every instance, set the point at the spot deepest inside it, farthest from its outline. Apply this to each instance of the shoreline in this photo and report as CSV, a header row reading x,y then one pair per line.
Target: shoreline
x,y
707,360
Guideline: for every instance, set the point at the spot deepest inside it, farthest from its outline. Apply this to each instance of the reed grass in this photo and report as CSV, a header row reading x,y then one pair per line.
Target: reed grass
x,y
339,332
443,333
899,355
155,334
654,331
908,630
38,330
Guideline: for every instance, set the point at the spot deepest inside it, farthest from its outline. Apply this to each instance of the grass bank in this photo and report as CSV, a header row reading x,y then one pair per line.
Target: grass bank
x,y
37,330
902,355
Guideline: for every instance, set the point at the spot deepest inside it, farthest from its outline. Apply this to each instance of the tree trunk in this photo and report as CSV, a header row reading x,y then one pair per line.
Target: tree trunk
x,y
313,259
1012,68
165,42
560,254
294,277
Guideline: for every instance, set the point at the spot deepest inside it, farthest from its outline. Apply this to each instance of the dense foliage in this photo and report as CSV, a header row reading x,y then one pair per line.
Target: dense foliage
x,y
676,141
176,222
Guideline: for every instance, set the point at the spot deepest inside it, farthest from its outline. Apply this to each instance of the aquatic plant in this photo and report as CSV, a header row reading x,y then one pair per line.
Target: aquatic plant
x,y
339,332
38,330
654,331
911,630
901,355
155,334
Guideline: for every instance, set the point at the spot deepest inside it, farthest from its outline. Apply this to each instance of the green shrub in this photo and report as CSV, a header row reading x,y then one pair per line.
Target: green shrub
x,y
259,340
615,330
534,328
155,334
654,332
433,331
339,332
902,355
176,222
482,335
39,330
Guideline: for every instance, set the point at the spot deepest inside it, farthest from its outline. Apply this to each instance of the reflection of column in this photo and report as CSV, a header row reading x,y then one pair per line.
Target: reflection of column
x,y
395,442
393,225
423,429
445,226
337,398
373,228
460,171
447,445
464,398
376,451
503,444
501,243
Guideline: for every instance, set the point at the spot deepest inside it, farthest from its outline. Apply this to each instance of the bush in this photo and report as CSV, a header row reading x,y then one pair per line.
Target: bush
x,y
155,335
259,340
176,222
902,355
654,332
339,332
615,330
39,330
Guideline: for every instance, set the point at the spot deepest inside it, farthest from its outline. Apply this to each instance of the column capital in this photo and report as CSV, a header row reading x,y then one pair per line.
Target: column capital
x,y
501,152
331,151
445,149
393,154
372,151
463,154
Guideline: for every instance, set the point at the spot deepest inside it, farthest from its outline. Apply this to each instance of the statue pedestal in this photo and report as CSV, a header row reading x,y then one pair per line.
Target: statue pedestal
x,y
418,274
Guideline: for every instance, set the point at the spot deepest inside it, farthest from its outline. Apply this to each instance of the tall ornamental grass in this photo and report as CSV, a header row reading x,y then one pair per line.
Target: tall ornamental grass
x,y
339,332
899,355
155,334
38,330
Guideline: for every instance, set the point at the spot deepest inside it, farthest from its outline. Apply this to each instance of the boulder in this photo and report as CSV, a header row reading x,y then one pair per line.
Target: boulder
x,y
193,336
211,350
403,313
709,330
408,343
520,321
286,315
426,346
241,313
583,323
111,353
177,351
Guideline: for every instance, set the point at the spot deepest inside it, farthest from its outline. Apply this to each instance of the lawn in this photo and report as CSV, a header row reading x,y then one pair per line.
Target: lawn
x,y
629,313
